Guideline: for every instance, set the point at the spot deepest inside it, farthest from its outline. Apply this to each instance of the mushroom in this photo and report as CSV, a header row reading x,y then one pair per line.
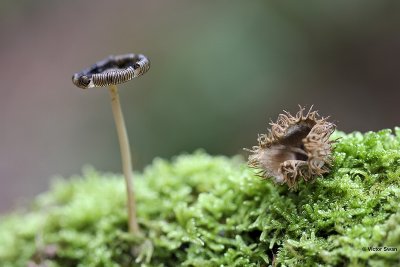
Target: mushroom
x,y
295,146
110,72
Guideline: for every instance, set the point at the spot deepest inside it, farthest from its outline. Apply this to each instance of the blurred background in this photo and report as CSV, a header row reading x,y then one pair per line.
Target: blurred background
x,y
220,71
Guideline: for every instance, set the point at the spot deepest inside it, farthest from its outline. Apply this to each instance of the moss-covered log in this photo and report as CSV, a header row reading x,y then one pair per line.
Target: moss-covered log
x,y
201,210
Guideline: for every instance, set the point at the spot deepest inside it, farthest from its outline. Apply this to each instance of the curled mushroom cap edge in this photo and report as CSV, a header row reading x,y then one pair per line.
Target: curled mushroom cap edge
x,y
111,71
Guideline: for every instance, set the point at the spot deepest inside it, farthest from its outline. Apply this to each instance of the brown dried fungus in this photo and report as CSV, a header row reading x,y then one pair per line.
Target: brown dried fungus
x,y
295,146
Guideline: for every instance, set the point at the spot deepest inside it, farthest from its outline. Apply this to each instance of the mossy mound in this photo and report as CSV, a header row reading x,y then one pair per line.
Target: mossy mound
x,y
200,210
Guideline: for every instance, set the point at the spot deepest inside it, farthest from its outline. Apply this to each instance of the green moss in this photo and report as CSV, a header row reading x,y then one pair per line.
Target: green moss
x,y
200,210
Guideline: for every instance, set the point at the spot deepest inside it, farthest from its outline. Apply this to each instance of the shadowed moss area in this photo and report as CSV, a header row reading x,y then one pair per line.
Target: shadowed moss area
x,y
201,210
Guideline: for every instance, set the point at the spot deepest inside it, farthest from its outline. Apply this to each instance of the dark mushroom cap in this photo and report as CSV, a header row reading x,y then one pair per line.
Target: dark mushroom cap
x,y
112,70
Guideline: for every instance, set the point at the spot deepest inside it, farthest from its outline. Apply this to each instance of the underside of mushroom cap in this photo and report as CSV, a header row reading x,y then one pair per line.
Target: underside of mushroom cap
x,y
112,70
295,147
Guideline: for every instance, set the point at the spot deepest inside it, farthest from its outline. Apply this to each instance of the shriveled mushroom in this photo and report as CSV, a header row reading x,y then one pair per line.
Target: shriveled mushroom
x,y
110,72
296,146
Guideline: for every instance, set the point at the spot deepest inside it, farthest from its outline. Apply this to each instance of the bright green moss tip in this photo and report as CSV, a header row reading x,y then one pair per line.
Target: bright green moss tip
x,y
200,210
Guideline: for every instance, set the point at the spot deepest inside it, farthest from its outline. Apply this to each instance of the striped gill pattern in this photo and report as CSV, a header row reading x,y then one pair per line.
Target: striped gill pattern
x,y
112,70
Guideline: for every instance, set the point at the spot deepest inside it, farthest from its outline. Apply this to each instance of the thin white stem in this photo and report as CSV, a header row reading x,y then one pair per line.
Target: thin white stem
x,y
125,156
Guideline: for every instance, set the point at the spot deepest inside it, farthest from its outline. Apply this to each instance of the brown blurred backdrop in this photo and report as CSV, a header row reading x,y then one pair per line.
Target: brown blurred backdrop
x,y
220,71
